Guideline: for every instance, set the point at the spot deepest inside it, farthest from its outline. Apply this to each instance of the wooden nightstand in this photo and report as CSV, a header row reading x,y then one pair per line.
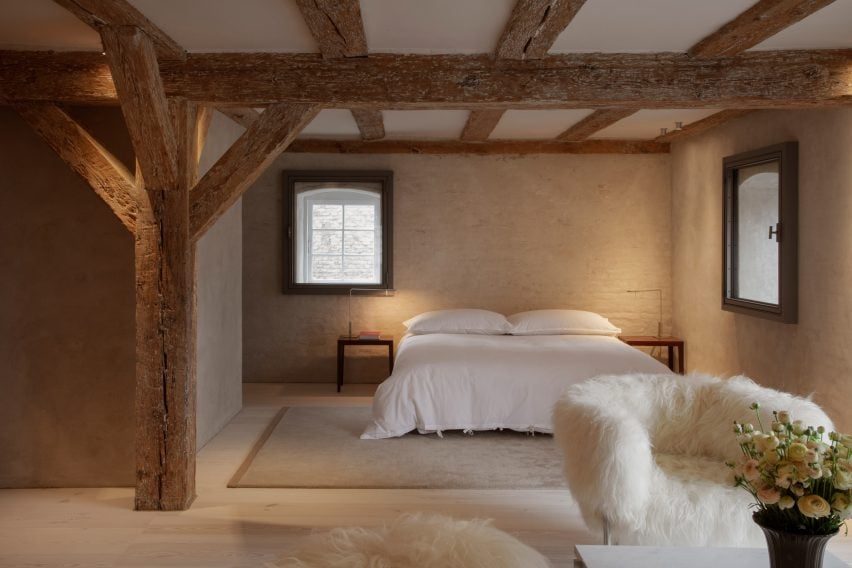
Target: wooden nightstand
x,y
652,341
345,340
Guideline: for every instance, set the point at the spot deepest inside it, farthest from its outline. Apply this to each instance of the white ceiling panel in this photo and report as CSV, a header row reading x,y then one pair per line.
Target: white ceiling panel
x,y
646,124
828,28
619,26
434,26
536,124
424,124
332,123
231,25
43,24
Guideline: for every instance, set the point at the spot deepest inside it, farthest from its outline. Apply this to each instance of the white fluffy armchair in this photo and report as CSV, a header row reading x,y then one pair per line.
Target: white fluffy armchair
x,y
647,453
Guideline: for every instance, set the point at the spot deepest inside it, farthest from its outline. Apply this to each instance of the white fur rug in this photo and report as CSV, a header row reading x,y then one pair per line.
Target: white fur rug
x,y
416,541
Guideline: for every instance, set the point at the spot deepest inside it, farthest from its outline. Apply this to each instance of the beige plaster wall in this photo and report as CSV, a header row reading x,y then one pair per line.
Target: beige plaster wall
x,y
505,233
220,302
66,317
812,356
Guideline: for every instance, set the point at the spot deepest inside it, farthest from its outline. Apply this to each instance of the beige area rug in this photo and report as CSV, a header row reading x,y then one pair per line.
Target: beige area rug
x,y
319,447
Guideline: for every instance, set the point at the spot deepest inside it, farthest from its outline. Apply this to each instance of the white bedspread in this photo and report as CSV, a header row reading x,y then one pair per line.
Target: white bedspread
x,y
482,382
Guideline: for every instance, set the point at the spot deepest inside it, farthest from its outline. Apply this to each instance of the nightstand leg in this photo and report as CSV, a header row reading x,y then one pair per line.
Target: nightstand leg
x,y
671,357
339,366
681,360
390,359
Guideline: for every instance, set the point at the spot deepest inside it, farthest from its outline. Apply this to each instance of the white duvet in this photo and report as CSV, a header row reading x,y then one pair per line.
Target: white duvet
x,y
482,382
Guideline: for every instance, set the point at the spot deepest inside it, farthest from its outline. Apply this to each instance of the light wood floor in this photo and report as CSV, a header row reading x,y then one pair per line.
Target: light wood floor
x,y
250,527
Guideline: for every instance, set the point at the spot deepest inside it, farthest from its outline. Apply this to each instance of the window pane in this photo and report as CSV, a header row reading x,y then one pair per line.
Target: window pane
x,y
360,217
757,215
327,216
325,268
359,242
327,242
359,268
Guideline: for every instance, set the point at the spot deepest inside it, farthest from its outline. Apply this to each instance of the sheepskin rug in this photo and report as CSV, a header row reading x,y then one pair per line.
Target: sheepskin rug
x,y
416,541
649,452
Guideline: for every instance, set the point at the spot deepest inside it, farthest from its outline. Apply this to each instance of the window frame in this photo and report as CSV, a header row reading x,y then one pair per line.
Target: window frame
x,y
786,310
291,178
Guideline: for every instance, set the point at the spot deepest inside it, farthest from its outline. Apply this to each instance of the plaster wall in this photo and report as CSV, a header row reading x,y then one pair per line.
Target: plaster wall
x,y
66,316
506,233
812,356
220,302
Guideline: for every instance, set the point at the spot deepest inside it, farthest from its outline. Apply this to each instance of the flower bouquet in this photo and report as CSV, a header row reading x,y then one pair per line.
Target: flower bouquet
x,y
800,478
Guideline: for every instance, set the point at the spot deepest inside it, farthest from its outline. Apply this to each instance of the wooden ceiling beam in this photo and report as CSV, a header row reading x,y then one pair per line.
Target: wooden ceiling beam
x,y
763,20
105,173
773,79
489,147
702,125
134,68
480,124
595,122
533,27
117,13
370,122
244,116
336,25
244,161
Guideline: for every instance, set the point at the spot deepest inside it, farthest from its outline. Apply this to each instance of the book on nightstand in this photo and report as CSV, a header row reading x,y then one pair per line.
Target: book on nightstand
x,y
369,335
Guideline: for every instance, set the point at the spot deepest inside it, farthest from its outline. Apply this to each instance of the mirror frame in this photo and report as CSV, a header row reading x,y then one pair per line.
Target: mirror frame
x,y
787,156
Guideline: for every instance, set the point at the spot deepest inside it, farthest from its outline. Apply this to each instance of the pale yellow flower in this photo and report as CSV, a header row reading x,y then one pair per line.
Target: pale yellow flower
x,y
813,506
783,417
797,451
786,502
840,502
843,479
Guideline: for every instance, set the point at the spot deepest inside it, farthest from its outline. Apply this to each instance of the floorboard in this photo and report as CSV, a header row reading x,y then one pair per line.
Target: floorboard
x,y
250,527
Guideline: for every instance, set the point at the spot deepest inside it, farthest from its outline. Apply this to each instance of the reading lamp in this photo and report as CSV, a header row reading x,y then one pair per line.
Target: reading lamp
x,y
659,321
387,292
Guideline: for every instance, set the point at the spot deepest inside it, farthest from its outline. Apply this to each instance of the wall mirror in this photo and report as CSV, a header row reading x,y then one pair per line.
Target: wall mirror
x,y
760,270
338,231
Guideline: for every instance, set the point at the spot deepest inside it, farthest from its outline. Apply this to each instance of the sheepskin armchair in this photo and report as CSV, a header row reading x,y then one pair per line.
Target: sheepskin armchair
x,y
646,454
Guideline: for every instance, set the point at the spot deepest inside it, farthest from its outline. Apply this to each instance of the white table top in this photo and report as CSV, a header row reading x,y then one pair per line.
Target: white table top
x,y
595,556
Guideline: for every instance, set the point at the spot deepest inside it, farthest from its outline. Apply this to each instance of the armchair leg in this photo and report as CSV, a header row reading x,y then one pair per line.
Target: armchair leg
x,y
607,536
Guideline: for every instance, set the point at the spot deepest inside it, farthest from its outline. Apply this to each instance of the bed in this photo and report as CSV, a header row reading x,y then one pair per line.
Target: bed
x,y
460,381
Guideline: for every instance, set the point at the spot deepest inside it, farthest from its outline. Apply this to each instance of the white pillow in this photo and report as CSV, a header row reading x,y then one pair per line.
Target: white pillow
x,y
561,322
459,321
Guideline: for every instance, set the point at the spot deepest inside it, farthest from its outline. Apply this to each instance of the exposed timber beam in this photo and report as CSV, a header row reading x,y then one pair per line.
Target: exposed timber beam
x,y
530,32
595,122
135,71
700,126
311,145
243,163
763,20
533,27
370,123
773,79
102,171
117,13
204,115
480,124
336,25
244,116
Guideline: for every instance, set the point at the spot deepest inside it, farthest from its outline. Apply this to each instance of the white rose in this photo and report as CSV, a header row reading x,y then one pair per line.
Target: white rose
x,y
843,479
814,506
798,428
840,502
784,417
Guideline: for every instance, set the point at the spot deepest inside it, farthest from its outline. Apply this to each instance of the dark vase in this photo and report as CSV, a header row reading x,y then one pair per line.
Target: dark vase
x,y
791,550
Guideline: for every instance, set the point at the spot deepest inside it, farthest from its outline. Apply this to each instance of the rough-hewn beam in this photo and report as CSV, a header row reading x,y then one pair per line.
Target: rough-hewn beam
x,y
244,116
480,124
336,25
370,123
533,27
204,115
324,146
134,68
773,79
241,165
595,122
102,171
700,126
761,21
117,13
